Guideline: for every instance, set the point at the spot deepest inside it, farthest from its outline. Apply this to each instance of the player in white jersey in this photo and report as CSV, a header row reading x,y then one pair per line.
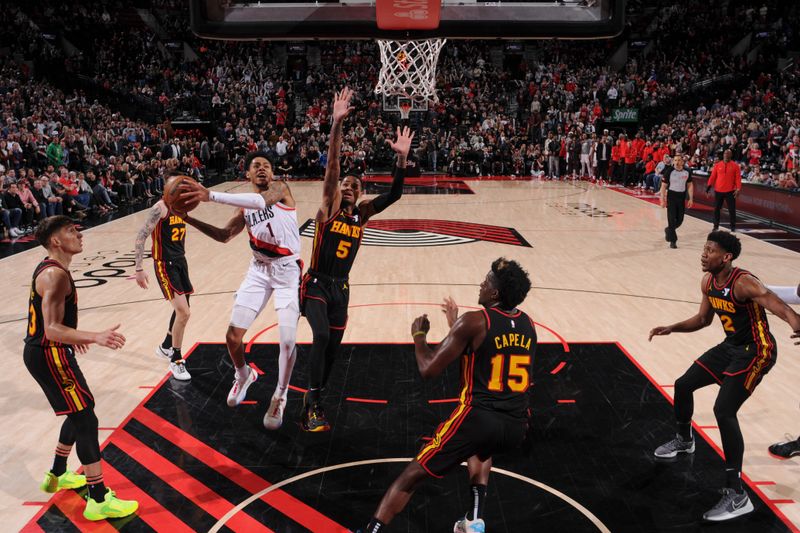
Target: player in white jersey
x,y
269,215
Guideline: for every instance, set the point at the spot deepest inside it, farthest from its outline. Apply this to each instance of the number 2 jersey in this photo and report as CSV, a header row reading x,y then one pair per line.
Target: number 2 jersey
x,y
35,334
273,232
744,323
497,374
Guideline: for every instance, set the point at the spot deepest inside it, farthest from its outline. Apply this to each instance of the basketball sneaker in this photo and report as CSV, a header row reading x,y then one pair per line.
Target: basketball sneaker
x,y
674,447
239,390
178,369
68,480
273,418
469,526
110,507
785,450
314,419
731,505
166,353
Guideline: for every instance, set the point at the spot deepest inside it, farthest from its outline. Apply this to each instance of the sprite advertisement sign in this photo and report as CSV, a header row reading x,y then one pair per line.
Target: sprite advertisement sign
x,y
624,114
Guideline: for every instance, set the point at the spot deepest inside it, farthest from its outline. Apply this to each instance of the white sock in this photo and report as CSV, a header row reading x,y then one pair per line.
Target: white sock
x,y
243,372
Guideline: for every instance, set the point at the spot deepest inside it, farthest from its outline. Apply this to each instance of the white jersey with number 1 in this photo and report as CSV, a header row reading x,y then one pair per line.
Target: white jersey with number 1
x,y
273,232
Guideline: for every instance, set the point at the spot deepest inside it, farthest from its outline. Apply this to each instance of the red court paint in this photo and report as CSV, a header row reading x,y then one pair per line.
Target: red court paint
x,y
566,401
366,400
189,487
301,513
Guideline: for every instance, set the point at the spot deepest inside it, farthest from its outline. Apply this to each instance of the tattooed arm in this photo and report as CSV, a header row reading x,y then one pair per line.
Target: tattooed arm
x,y
156,213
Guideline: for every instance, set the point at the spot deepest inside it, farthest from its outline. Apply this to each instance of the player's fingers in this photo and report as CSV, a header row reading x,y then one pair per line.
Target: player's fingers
x,y
115,327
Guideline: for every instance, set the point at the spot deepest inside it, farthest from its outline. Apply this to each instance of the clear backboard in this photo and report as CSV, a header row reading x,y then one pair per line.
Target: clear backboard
x,y
406,19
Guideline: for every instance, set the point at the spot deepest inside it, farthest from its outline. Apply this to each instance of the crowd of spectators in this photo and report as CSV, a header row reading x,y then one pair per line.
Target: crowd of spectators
x,y
541,114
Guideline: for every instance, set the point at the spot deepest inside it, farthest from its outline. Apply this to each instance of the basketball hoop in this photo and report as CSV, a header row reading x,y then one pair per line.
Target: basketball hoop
x,y
408,69
405,110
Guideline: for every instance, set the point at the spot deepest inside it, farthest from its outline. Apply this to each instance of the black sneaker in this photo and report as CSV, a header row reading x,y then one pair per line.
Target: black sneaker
x,y
314,420
785,450
673,244
674,447
731,505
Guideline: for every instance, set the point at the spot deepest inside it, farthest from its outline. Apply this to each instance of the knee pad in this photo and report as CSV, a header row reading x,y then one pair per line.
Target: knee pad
x,y
243,317
288,317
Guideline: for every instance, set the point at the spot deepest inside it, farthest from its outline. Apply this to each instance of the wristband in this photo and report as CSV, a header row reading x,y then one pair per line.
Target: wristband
x,y
418,333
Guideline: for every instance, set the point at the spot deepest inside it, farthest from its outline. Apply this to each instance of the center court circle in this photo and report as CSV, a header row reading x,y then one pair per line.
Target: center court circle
x,y
583,510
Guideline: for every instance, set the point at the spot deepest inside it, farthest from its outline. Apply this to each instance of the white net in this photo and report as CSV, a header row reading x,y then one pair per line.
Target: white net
x,y
408,68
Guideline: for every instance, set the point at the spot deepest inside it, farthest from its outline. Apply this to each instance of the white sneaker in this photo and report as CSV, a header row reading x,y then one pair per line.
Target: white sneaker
x,y
273,418
164,352
469,526
239,390
178,369
15,232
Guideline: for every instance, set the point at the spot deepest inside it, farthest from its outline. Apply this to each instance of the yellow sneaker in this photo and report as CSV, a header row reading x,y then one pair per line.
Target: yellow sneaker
x,y
67,480
110,507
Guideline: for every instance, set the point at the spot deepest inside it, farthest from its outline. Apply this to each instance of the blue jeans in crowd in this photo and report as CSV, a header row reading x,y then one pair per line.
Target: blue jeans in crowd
x,y
11,217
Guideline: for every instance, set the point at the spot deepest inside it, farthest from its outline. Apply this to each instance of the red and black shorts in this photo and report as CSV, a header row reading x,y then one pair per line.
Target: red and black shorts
x,y
333,292
751,360
56,371
469,431
173,277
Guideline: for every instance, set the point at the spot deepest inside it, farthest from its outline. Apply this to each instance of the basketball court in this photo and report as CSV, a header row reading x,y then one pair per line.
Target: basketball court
x,y
601,401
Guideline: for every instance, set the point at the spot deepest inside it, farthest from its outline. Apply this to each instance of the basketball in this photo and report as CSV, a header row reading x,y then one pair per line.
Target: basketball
x,y
172,194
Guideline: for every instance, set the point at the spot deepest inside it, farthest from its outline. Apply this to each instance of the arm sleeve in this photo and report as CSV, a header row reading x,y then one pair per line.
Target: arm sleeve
x,y
245,200
384,200
787,294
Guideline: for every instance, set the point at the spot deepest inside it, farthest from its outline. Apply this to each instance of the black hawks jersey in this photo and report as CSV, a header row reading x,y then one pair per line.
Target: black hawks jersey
x,y
35,335
497,374
169,237
336,243
744,323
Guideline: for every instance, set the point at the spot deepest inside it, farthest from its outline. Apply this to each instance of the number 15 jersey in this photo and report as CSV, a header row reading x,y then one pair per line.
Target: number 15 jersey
x,y
497,374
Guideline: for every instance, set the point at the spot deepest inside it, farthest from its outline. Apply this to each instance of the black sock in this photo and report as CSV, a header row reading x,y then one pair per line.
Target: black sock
x,y
733,479
374,526
167,344
478,499
312,396
176,355
97,489
685,430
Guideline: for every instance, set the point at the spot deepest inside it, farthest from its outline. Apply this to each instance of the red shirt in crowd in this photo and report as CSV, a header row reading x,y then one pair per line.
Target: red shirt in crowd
x,y
725,176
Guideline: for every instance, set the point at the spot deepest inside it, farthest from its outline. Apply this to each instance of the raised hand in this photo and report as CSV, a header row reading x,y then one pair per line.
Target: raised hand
x,y
110,338
421,323
403,143
450,310
141,279
660,330
341,104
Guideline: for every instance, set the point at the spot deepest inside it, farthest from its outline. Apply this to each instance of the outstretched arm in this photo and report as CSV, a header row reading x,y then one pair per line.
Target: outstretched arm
x,y
277,191
331,196
234,226
156,213
401,146
702,319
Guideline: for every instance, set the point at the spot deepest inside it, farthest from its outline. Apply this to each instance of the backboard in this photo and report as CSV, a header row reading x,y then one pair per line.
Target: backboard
x,y
356,19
